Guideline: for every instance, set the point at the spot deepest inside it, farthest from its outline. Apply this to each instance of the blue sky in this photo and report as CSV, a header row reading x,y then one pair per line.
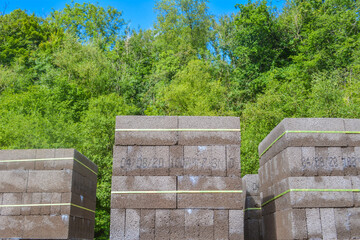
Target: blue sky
x,y
138,12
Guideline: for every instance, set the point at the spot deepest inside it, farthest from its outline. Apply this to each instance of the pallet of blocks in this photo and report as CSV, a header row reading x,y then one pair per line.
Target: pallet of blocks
x,y
309,179
176,178
47,194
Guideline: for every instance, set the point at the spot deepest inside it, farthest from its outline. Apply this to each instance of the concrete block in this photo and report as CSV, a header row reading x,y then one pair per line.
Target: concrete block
x,y
206,224
45,227
20,154
221,224
176,160
291,224
36,199
343,223
192,228
85,161
303,139
328,225
11,227
162,224
313,223
236,224
314,199
55,198
177,224
50,181
13,181
209,200
203,138
350,161
132,227
117,224
355,181
120,155
233,162
146,161
205,160
42,154
143,183
11,199
85,202
152,138
269,226
352,125
355,222
147,224
45,199
65,198
250,183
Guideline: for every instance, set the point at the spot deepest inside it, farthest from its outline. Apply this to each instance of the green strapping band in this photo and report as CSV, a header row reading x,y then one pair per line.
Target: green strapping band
x,y
310,131
47,205
177,130
177,191
251,209
309,190
48,159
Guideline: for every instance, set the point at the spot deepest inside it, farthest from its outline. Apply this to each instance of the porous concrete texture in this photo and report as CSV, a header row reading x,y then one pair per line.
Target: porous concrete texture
x,y
307,180
160,178
63,184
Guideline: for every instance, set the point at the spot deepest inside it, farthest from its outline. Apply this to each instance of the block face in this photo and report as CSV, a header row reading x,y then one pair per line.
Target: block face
x,y
250,184
13,181
162,224
147,224
117,224
236,224
352,125
132,227
143,200
120,154
209,138
177,224
209,200
297,219
11,226
46,227
233,162
221,224
49,181
204,161
328,223
151,138
313,222
176,160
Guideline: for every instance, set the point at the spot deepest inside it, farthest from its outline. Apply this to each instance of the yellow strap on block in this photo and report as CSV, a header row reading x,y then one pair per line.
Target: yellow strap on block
x,y
47,205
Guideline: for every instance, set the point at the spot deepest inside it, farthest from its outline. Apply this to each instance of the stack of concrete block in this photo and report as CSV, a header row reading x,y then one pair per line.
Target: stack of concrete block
x,y
176,178
252,207
311,167
47,194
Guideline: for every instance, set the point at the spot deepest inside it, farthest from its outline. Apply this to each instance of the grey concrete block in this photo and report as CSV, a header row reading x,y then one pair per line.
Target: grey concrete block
x,y
13,181
209,200
55,198
343,223
291,224
355,181
205,160
250,183
117,224
176,160
26,199
251,229
20,154
144,200
221,224
303,139
147,224
233,162
151,138
328,225
132,227
119,160
43,154
313,222
50,181
36,199
11,199
162,224
236,224
46,227
206,223
209,138
352,125
11,227
177,224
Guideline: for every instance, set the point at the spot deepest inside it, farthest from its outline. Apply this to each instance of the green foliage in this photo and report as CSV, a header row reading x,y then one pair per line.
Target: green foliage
x,y
64,79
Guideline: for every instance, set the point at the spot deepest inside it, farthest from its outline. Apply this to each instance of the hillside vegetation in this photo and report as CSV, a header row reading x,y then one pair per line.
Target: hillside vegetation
x,y
64,78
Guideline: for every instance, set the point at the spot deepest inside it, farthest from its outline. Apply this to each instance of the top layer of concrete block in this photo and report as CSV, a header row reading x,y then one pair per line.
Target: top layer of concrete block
x,y
176,134
309,139
150,138
43,159
209,138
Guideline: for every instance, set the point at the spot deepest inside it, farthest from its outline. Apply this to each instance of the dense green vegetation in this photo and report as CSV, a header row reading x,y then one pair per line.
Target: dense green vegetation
x,y
63,79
